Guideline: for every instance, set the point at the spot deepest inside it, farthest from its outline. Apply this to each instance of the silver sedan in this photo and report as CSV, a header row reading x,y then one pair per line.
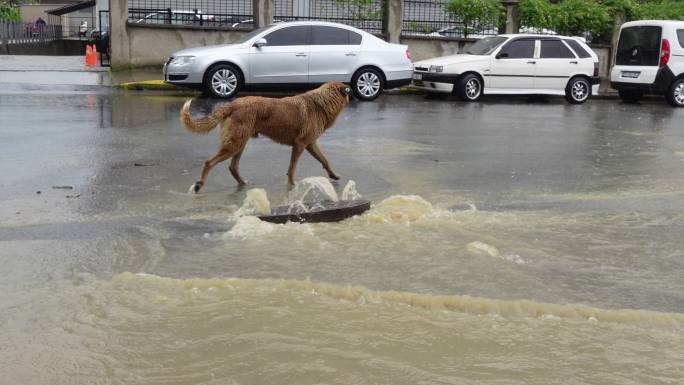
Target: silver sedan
x,y
294,54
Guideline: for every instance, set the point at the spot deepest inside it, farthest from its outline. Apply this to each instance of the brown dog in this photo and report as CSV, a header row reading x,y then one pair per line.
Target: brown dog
x,y
296,121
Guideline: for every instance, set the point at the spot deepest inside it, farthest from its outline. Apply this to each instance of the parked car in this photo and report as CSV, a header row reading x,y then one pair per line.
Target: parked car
x,y
514,64
650,59
177,17
299,53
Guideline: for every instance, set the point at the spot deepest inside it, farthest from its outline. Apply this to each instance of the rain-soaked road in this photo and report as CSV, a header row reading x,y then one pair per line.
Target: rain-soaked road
x,y
532,222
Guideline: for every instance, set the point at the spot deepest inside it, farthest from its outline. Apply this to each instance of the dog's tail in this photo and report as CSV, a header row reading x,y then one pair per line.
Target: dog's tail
x,y
205,124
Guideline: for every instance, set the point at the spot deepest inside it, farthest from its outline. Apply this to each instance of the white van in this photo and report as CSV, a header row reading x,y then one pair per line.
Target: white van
x,y
650,59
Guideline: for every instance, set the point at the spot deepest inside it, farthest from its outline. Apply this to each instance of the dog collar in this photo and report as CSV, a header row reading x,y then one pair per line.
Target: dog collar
x,y
347,90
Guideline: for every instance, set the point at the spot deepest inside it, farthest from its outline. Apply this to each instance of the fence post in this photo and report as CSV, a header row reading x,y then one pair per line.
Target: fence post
x,y
120,45
392,18
263,12
512,15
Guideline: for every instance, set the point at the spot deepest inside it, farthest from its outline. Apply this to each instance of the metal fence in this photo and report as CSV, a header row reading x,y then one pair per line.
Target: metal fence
x,y
223,13
15,32
430,18
363,14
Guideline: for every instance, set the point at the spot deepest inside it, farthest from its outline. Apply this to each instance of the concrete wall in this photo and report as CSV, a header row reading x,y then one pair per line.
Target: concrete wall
x,y
31,12
425,48
145,48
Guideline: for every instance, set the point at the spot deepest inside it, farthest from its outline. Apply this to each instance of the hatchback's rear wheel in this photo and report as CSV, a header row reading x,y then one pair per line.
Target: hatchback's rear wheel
x,y
367,84
628,96
578,90
222,81
469,88
676,94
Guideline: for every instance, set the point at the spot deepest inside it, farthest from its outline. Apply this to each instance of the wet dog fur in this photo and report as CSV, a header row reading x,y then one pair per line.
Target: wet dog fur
x,y
296,121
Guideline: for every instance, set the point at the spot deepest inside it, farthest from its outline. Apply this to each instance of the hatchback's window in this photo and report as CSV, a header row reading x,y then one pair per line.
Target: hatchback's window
x,y
577,47
486,46
680,35
323,35
298,35
555,49
639,46
519,49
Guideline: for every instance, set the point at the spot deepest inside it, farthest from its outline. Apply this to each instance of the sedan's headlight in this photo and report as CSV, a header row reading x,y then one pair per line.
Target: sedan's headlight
x,y
183,60
436,68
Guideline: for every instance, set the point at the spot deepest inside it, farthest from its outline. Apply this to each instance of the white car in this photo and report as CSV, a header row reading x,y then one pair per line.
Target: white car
x,y
650,59
294,54
514,64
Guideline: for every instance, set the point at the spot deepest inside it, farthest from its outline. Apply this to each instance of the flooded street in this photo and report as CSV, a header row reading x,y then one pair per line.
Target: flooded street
x,y
510,242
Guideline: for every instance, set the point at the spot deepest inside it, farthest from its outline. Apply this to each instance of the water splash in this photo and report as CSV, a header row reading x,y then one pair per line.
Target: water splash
x,y
256,203
350,193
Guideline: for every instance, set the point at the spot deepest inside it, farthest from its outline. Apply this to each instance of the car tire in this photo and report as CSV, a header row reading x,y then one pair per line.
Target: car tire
x,y
630,96
469,88
222,81
675,96
367,84
578,90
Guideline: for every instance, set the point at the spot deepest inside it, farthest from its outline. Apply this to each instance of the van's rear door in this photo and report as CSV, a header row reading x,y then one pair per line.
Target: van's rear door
x,y
638,54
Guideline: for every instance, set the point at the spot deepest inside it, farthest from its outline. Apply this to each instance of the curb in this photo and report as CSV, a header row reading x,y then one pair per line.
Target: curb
x,y
159,85
149,85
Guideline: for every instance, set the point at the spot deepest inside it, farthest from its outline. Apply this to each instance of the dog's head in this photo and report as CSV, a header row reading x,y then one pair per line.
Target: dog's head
x,y
340,89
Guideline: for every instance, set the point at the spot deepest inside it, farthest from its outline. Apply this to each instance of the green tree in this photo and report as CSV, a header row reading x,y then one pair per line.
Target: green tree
x,y
475,14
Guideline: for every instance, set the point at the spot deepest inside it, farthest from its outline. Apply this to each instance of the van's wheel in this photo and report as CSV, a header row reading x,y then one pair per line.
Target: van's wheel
x,y
367,84
578,90
468,88
676,94
628,96
222,81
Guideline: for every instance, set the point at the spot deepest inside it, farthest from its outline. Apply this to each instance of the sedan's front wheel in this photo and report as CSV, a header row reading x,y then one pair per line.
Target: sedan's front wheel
x,y
222,81
469,88
578,90
367,84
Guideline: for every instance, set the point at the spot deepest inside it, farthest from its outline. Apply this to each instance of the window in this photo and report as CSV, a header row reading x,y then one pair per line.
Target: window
x,y
157,18
555,49
680,35
519,49
322,35
639,46
486,46
577,47
355,38
298,35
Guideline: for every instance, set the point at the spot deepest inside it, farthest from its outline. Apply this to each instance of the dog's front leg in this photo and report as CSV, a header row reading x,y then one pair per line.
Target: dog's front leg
x,y
316,153
297,149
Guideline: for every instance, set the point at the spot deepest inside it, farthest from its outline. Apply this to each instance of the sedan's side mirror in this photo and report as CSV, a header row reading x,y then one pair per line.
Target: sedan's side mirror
x,y
260,43
501,55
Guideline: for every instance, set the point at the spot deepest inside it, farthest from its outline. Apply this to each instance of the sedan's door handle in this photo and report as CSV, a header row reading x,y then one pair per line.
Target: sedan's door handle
x,y
350,54
574,62
300,54
531,62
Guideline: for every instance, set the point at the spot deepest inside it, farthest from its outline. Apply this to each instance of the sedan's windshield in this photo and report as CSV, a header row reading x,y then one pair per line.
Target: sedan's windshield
x,y
245,38
486,45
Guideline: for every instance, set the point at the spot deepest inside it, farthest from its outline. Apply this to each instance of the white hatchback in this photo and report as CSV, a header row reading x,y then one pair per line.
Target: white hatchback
x,y
514,64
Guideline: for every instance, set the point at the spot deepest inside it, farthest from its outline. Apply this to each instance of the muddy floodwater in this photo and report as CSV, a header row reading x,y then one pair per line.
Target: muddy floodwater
x,y
511,241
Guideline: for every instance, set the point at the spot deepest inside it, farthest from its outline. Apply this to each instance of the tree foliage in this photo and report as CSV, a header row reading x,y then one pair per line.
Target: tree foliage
x,y
476,14
8,12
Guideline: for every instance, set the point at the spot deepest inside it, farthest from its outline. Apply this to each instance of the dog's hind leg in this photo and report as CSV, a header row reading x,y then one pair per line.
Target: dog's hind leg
x,y
297,149
316,153
234,168
224,153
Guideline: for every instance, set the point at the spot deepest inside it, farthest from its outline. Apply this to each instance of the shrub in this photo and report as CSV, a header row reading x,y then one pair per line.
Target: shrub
x,y
661,10
476,14
8,12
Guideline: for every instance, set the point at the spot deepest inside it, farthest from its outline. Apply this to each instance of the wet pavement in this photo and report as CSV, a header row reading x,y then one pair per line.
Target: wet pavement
x,y
505,240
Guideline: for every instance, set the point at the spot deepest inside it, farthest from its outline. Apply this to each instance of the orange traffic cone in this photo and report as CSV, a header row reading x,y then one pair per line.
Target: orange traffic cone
x,y
96,56
89,53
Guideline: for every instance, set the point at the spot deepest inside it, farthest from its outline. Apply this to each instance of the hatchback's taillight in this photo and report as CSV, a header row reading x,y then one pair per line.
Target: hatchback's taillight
x,y
665,53
596,69
408,54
